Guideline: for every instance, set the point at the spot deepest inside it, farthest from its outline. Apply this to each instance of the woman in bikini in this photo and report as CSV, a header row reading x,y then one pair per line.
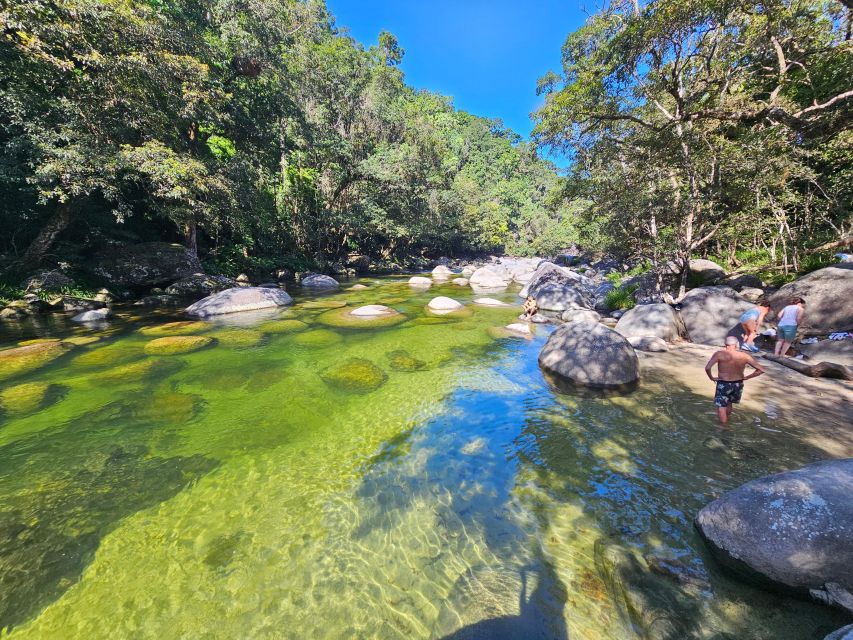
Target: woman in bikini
x,y
751,322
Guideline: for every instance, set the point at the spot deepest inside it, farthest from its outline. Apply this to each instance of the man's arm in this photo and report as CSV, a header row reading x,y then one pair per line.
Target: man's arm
x,y
710,366
752,362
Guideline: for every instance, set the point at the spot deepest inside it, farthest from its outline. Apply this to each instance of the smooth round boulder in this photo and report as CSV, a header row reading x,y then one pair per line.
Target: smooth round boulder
x,y
752,294
374,316
557,289
490,302
319,282
657,320
827,293
443,304
441,272
490,277
460,282
579,315
707,271
791,530
712,313
651,344
358,287
589,354
420,281
372,311
239,299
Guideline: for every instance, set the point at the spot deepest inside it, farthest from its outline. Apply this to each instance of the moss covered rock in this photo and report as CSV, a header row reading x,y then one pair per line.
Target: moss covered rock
x,y
317,338
180,328
324,304
80,341
283,326
24,343
402,360
352,319
174,345
24,398
139,371
109,355
355,375
21,360
236,337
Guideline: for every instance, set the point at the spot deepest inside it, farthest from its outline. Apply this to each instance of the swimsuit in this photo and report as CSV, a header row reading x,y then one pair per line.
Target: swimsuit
x,y
787,327
728,391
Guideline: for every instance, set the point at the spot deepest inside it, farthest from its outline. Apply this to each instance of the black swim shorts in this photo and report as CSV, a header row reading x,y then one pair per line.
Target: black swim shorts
x,y
728,391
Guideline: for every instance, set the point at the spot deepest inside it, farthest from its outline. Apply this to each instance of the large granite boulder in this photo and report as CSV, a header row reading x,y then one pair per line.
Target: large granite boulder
x,y
149,264
442,272
589,354
47,280
490,277
558,289
239,299
712,313
827,293
319,282
707,270
650,321
791,530
199,285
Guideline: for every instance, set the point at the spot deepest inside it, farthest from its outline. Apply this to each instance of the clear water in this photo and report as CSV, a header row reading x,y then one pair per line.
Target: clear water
x,y
233,493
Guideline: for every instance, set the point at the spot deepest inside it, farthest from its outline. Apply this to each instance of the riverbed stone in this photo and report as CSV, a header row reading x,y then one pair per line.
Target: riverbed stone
x,y
557,289
402,360
460,282
657,320
354,375
442,272
95,315
358,287
319,282
238,337
288,325
420,281
177,328
578,315
317,338
827,293
791,530
24,398
707,271
490,277
490,302
22,360
651,344
443,304
148,264
368,318
239,299
372,311
589,354
174,345
712,313
139,371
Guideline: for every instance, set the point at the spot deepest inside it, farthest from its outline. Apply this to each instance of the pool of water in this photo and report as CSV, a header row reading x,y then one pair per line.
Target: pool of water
x,y
421,480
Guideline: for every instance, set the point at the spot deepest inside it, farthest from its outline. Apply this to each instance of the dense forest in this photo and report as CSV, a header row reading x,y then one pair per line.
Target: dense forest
x,y
262,135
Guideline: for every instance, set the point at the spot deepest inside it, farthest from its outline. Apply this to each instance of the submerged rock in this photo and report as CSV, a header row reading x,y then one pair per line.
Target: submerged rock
x,y
317,338
21,360
235,337
287,325
589,354
791,530
139,371
490,302
181,328
650,320
319,282
239,299
24,398
367,317
402,360
174,345
355,375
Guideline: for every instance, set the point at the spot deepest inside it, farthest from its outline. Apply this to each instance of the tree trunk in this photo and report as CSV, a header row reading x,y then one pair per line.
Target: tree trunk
x,y
190,237
61,219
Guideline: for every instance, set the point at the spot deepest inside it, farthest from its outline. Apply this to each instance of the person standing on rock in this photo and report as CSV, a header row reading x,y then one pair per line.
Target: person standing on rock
x,y
731,364
786,328
751,322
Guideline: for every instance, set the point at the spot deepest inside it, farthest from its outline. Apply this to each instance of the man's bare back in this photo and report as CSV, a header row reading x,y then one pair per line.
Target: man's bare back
x,y
731,365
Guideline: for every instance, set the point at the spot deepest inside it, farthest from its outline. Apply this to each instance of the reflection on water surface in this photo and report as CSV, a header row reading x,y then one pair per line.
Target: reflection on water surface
x,y
300,479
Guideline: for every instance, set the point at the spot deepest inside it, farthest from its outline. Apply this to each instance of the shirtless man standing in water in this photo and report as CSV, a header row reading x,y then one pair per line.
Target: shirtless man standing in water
x,y
730,367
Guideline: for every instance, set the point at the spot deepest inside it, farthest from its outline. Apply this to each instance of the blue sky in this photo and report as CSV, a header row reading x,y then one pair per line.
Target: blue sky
x,y
486,54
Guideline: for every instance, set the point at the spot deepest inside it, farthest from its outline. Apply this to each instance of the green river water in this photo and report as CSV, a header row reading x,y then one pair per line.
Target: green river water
x,y
306,480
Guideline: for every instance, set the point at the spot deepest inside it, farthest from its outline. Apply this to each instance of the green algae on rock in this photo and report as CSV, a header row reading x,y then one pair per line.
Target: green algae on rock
x,y
323,304
81,341
402,360
139,371
24,343
25,398
317,338
289,325
348,319
355,375
236,337
178,328
174,345
111,354
22,360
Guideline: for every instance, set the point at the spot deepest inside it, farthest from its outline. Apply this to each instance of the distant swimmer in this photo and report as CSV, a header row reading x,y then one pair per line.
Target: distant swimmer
x,y
731,364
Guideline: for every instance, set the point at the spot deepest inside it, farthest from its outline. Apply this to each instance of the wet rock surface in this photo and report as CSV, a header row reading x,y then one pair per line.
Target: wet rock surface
x,y
239,299
145,265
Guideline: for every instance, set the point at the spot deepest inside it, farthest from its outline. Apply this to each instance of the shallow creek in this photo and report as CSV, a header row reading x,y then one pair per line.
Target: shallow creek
x,y
442,490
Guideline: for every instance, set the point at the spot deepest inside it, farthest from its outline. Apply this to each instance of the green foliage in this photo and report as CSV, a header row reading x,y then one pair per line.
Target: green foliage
x,y
621,297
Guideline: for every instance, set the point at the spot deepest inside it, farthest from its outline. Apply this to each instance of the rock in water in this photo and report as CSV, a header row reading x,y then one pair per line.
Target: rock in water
x,y
174,345
319,282
712,313
200,285
791,530
707,270
239,299
441,272
95,315
420,281
490,277
149,264
591,355
372,311
827,293
355,375
650,320
21,360
443,304
460,282
490,302
556,289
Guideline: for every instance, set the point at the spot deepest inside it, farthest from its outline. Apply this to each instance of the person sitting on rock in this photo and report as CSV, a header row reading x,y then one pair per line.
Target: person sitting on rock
x,y
786,329
730,376
530,308
751,322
